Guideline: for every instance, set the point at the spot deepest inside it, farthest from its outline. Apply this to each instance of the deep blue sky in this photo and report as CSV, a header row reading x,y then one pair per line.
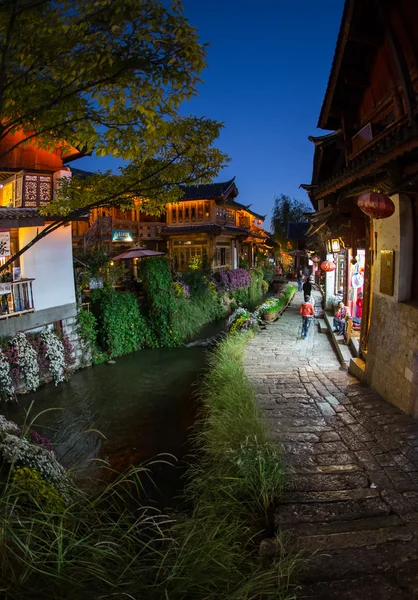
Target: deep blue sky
x,y
269,63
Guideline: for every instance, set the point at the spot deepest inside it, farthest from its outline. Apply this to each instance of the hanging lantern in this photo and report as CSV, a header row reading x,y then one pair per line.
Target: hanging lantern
x,y
328,266
375,205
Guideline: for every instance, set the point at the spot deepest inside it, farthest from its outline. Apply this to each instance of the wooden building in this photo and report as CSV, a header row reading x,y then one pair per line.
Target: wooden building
x,y
206,222
39,286
371,107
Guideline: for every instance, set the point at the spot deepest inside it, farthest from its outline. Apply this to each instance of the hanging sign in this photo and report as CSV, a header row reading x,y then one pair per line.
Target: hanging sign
x,y
121,235
5,243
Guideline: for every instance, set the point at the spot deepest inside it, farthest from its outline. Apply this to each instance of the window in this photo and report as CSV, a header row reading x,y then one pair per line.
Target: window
x,y
200,211
180,213
207,211
174,214
186,214
223,254
193,212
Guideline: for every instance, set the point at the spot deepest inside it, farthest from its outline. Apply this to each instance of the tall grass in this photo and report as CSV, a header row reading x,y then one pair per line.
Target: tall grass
x,y
191,316
235,479
95,546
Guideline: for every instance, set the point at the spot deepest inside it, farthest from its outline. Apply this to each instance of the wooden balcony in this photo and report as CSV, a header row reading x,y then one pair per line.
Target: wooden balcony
x,y
16,298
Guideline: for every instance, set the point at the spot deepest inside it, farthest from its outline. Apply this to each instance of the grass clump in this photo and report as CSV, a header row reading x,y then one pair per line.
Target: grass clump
x,y
236,477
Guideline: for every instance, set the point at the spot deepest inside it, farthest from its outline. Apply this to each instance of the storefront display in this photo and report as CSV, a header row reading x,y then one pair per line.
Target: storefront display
x,y
356,266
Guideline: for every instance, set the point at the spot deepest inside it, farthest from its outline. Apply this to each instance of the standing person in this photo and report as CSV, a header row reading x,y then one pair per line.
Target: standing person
x,y
359,305
340,318
307,287
308,312
300,280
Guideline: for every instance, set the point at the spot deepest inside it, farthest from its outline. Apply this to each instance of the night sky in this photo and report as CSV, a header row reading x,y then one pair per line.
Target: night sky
x,y
266,79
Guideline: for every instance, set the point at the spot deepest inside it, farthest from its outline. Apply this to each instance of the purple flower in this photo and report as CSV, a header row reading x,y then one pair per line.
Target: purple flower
x,y
229,281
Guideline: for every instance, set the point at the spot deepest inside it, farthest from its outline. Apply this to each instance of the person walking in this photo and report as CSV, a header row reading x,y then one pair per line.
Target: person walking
x,y
300,280
307,287
308,312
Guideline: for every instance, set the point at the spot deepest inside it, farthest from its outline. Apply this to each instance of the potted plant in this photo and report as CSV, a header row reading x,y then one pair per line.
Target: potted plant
x,y
270,312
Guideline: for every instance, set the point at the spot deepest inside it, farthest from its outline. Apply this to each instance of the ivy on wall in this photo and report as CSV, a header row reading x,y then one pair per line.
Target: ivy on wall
x,y
161,302
121,328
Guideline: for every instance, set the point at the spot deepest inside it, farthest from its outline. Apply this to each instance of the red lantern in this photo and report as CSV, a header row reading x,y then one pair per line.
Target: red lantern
x,y
328,265
375,205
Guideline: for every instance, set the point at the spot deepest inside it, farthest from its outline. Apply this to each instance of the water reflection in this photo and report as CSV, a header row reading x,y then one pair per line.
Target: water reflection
x,y
142,405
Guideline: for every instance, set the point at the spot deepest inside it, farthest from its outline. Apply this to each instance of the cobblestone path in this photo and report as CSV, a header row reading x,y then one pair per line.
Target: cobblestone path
x,y
352,502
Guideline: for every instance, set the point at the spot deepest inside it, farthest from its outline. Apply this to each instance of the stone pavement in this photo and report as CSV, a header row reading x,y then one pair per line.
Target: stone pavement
x,y
352,502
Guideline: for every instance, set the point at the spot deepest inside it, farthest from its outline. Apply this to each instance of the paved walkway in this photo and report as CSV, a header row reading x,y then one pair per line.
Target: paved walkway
x,y
352,503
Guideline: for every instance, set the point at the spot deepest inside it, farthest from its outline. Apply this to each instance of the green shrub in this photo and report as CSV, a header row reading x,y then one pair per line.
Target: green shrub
x,y
121,327
192,315
268,272
161,302
88,331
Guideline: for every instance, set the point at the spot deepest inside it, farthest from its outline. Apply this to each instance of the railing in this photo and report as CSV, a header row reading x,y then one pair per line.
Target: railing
x,y
16,298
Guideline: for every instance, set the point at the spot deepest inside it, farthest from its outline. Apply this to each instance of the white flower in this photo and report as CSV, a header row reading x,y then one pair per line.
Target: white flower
x,y
27,361
55,353
7,390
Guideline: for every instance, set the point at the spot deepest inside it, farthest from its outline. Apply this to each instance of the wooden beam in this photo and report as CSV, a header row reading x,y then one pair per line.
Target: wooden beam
x,y
399,60
364,39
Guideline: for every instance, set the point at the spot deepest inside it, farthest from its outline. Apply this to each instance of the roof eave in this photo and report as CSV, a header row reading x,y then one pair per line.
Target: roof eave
x,y
323,122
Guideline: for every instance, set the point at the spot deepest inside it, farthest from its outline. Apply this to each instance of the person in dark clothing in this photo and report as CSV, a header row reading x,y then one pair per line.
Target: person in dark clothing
x,y
307,287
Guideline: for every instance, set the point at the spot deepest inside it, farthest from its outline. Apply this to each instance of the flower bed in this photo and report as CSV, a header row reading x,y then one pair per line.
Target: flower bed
x,y
230,281
27,361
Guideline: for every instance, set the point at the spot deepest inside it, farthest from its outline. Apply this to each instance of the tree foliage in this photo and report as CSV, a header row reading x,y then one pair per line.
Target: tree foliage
x,y
287,210
108,76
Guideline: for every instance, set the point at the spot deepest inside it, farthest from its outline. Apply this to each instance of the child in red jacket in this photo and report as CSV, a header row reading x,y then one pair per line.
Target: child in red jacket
x,y
308,312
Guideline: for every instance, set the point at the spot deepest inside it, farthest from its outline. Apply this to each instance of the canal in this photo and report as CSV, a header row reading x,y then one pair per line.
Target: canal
x,y
124,413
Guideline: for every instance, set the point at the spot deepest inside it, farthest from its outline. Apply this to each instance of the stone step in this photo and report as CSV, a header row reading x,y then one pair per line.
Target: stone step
x,y
304,529
330,496
329,481
350,539
368,587
343,563
322,326
322,512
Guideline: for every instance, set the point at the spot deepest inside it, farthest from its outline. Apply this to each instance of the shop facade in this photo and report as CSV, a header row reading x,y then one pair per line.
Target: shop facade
x,y
364,190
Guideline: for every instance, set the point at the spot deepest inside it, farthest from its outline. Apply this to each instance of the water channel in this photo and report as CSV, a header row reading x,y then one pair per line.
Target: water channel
x,y
124,413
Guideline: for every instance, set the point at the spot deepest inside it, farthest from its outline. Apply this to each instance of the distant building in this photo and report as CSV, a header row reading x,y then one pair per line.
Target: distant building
x,y
205,222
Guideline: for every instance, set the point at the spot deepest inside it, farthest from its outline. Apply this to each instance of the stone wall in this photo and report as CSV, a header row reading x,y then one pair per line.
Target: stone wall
x,y
391,359
391,365
82,354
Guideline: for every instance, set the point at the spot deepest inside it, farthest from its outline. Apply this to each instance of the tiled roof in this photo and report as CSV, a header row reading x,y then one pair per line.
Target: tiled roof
x,y
207,228
209,191
181,229
19,213
80,173
237,205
